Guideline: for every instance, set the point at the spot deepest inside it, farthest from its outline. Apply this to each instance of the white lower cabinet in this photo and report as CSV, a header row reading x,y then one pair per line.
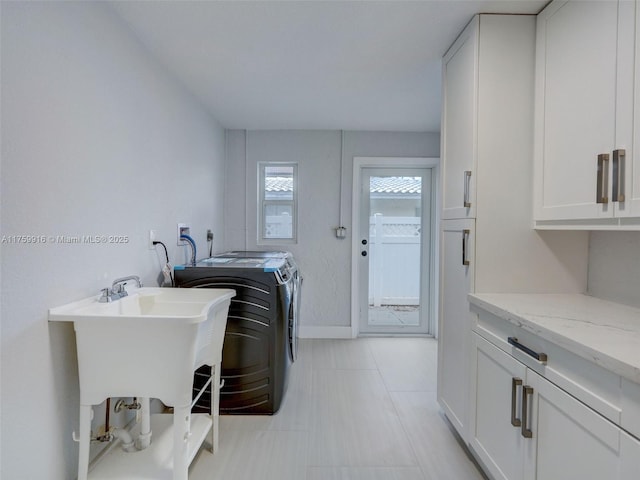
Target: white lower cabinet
x,y
525,427
630,457
494,438
569,440
456,277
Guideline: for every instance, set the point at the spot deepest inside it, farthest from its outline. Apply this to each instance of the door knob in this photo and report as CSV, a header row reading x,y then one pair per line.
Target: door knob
x,y
364,241
363,253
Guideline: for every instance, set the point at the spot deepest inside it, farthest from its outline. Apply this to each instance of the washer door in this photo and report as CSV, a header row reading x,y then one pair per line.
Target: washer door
x,y
294,309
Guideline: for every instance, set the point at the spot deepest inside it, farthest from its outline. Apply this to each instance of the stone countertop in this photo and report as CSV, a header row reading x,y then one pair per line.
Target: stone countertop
x,y
603,332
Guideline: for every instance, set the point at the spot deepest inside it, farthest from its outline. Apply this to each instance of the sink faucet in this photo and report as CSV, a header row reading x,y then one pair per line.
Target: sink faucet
x,y
117,289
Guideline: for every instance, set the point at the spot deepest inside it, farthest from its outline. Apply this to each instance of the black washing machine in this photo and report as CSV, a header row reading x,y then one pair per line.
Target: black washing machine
x,y
261,340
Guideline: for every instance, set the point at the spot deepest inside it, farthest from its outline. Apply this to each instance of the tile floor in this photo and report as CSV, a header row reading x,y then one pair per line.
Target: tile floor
x,y
361,409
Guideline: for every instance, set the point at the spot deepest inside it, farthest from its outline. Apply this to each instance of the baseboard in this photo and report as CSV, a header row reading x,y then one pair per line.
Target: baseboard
x,y
324,332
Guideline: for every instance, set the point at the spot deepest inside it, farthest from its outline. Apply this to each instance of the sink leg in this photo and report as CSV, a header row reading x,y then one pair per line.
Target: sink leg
x,y
181,433
85,441
215,408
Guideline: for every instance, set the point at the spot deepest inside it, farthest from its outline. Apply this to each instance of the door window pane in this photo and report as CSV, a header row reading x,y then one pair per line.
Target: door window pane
x,y
395,221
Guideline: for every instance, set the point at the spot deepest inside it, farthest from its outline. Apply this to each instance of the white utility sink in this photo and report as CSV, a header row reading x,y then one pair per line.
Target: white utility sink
x,y
148,344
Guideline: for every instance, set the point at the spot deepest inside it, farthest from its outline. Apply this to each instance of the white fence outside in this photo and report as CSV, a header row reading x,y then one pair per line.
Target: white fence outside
x,y
278,226
394,266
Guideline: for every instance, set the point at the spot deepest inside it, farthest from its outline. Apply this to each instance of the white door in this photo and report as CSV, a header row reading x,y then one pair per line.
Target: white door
x,y
394,250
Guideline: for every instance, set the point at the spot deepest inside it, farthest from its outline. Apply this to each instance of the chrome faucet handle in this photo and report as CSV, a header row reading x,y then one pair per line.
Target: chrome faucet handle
x,y
118,285
107,295
119,290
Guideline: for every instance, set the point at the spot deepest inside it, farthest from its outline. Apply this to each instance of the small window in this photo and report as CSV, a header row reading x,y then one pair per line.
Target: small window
x,y
277,222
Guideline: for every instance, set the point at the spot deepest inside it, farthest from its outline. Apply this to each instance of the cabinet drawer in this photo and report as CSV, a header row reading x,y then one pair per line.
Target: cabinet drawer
x,y
596,387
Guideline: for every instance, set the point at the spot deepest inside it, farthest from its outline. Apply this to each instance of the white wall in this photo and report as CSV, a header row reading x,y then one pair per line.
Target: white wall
x,y
324,260
614,266
97,139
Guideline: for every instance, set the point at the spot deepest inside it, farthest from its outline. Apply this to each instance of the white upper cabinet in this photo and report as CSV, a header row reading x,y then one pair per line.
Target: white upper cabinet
x,y
586,171
632,202
459,120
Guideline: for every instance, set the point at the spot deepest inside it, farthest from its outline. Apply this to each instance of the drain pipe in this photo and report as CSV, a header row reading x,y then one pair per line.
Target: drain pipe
x,y
144,439
125,438
142,406
121,433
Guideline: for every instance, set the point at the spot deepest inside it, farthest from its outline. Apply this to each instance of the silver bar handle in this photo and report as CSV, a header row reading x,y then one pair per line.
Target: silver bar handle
x,y
617,189
526,391
465,240
515,383
539,356
602,178
467,188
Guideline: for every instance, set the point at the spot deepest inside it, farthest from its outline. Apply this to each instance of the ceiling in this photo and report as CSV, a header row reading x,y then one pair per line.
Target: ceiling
x,y
338,65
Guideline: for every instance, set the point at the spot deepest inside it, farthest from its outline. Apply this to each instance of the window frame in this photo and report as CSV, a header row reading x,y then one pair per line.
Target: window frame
x,y
263,202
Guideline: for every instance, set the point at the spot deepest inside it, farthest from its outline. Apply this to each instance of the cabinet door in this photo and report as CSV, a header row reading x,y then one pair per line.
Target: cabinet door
x,y
568,439
629,458
455,320
625,175
459,114
632,193
575,107
495,421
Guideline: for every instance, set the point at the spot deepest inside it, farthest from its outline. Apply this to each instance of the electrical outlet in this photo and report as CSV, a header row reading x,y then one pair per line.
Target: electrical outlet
x,y
152,238
209,236
183,229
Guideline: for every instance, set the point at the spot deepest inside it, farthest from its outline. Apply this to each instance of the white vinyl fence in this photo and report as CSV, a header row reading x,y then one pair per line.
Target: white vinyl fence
x,y
394,260
278,226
